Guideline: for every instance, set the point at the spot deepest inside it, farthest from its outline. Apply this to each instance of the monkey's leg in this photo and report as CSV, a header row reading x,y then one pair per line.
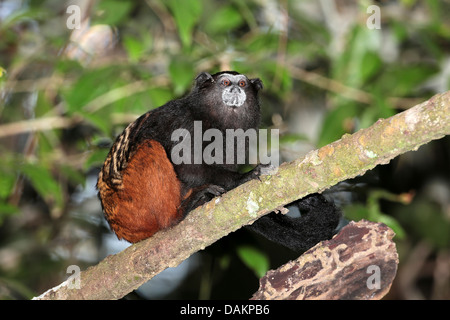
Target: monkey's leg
x,y
317,222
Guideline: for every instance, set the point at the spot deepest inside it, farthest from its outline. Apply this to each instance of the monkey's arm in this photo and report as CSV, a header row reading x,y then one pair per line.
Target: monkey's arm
x,y
195,175
203,182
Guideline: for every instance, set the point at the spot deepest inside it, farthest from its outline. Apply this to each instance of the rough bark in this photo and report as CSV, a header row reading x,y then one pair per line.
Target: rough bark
x,y
358,263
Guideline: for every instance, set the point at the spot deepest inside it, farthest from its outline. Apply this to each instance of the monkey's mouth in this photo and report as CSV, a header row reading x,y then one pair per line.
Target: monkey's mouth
x,y
233,98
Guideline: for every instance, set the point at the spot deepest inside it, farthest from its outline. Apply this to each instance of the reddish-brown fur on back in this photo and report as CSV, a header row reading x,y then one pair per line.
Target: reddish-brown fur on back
x,y
148,199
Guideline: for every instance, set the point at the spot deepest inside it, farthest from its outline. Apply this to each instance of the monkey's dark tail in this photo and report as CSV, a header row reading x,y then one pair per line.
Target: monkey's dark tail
x,y
317,222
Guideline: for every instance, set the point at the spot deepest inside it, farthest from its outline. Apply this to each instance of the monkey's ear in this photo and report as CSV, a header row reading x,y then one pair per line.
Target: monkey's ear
x,y
257,83
203,78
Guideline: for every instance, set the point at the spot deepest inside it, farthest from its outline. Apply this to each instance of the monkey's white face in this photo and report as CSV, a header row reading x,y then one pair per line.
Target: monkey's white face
x,y
233,93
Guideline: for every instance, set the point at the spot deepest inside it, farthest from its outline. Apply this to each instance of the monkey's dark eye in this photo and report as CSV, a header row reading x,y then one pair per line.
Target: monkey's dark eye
x,y
225,82
242,83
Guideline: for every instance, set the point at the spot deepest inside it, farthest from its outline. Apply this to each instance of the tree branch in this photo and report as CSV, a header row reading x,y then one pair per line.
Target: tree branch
x,y
346,158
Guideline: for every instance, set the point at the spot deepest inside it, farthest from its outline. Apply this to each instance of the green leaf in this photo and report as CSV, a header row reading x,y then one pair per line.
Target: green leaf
x,y
186,14
402,80
224,20
377,110
370,65
68,67
90,86
292,138
112,12
254,259
44,184
334,122
182,72
16,17
393,224
371,211
75,176
356,212
136,47
96,158
100,121
425,219
261,43
359,60
7,181
2,72
160,96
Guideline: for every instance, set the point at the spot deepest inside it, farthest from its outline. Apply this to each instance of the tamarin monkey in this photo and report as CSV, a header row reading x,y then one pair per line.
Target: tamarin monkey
x,y
142,190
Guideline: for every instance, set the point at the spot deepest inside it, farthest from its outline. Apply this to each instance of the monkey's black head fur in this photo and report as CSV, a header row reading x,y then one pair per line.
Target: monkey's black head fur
x,y
227,100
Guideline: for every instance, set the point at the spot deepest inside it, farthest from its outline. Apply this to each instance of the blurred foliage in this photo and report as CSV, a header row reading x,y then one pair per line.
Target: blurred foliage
x,y
255,259
65,94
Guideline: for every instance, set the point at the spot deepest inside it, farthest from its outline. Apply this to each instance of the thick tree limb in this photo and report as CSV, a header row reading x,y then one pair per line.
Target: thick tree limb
x,y
358,263
346,158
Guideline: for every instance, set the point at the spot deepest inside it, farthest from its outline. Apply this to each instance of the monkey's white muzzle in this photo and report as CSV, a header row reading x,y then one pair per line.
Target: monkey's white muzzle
x,y
233,96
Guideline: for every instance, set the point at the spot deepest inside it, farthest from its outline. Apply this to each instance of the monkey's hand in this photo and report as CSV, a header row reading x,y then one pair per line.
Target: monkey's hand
x,y
201,195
